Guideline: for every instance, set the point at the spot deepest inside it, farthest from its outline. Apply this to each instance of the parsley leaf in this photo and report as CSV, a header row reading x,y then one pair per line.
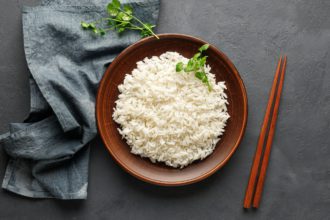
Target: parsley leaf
x,y
202,61
128,9
190,66
196,56
196,64
84,25
116,3
120,18
179,67
203,48
112,10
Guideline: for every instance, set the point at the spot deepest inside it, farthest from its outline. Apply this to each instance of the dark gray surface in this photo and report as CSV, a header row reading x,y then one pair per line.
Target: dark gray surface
x,y
252,33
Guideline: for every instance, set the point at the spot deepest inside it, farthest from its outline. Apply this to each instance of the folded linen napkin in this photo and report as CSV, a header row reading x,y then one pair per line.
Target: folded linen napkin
x,y
49,152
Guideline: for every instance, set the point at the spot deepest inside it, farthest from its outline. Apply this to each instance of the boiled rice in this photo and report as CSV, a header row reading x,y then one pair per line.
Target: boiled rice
x,y
167,116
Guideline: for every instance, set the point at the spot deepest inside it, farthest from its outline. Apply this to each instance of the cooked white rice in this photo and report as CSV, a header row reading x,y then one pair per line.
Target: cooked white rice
x,y
167,116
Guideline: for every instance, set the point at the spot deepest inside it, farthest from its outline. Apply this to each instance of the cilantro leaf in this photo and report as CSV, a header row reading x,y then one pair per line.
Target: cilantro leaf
x,y
116,3
112,10
202,61
92,26
196,56
96,31
128,9
196,64
119,30
203,48
179,67
84,25
148,25
102,31
145,33
199,75
120,18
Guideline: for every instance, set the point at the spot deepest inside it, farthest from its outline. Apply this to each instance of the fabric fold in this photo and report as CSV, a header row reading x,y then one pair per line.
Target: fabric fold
x,y
49,152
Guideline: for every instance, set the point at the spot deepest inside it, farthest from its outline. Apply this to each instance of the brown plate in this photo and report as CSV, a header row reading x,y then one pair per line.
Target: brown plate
x,y
158,173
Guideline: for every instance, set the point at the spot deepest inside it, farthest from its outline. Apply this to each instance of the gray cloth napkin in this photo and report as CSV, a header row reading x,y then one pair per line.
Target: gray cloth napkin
x,y
49,153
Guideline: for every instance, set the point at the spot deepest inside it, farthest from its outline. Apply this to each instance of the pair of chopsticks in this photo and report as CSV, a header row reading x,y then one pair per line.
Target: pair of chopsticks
x,y
254,190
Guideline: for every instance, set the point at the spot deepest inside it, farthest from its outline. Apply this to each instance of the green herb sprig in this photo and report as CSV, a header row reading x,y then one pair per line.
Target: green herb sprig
x,y
120,18
196,64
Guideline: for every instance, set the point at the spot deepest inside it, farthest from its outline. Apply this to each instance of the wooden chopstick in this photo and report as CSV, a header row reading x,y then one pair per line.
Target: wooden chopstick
x,y
258,154
264,165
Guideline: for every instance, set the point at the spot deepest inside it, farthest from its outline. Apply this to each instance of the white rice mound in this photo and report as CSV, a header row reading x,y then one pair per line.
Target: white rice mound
x,y
167,116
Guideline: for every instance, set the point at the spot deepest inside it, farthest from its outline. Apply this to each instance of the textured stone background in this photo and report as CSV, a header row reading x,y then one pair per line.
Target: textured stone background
x,y
252,33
